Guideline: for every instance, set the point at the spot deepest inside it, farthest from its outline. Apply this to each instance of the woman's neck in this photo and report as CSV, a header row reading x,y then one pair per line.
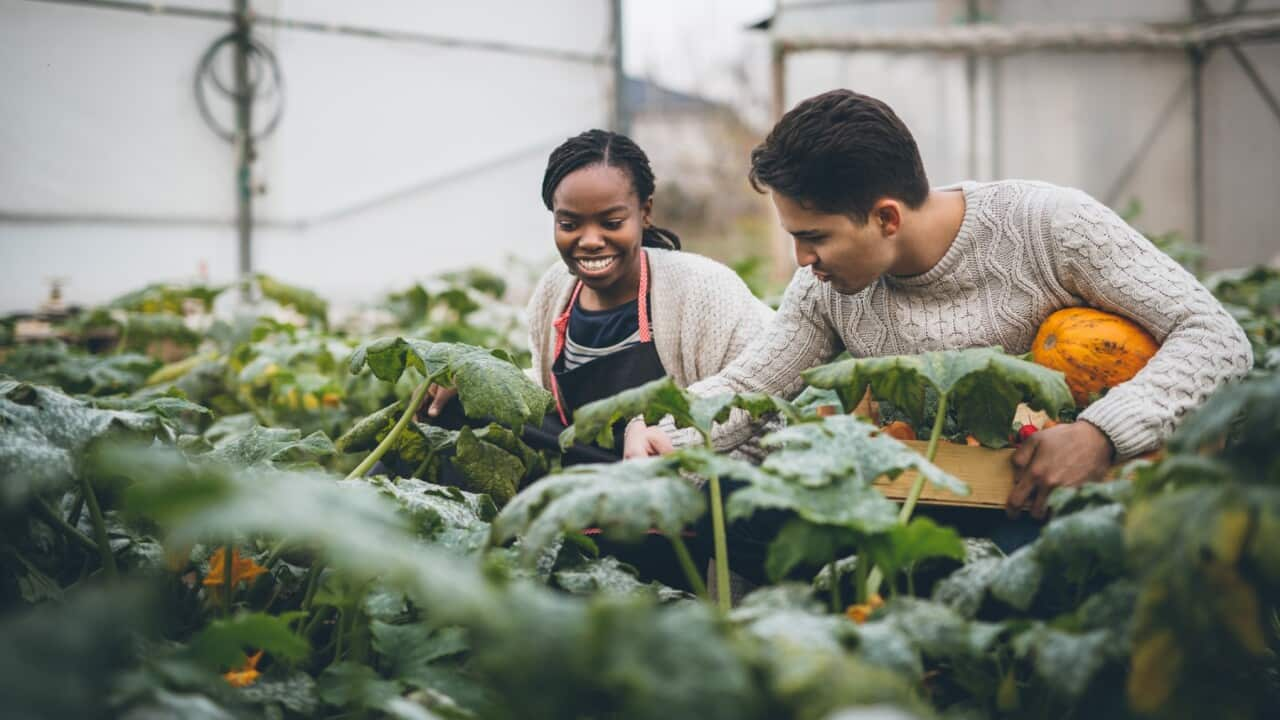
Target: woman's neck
x,y
626,289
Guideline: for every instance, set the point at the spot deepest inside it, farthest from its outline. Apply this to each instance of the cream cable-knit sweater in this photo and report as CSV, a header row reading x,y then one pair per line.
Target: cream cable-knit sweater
x,y
1024,250
703,315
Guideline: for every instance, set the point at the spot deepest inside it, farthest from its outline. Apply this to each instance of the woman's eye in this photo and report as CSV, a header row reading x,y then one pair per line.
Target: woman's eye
x,y
613,224
565,225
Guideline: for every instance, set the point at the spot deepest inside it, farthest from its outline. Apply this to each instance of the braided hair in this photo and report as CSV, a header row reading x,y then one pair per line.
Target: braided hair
x,y
601,147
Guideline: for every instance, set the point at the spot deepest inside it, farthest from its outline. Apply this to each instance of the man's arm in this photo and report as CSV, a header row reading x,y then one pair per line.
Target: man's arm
x,y
797,338
1112,267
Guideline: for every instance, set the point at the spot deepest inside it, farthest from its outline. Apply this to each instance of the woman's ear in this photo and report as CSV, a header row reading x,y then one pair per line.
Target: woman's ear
x,y
646,213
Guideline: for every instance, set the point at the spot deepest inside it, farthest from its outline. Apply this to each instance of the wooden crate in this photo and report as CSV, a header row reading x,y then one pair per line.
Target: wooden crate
x,y
987,472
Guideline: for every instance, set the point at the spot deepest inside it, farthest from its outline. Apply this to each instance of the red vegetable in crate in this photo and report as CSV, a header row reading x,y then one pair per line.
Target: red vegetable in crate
x,y
1026,431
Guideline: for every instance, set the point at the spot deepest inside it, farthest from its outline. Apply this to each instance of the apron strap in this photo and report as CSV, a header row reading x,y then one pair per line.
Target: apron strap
x,y
561,324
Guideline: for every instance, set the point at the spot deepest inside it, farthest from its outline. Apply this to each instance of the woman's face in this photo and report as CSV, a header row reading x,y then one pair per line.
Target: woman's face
x,y
599,225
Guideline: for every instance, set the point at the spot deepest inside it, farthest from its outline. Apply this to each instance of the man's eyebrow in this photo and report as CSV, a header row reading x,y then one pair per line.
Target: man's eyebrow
x,y
806,233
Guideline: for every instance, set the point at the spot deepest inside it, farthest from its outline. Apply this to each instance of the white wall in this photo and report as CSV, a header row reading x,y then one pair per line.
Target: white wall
x,y
445,145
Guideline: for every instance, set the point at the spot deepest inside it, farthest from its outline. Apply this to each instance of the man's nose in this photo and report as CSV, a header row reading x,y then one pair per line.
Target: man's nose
x,y
804,256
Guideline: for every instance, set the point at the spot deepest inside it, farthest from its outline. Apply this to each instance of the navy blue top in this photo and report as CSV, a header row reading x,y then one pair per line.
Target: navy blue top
x,y
594,334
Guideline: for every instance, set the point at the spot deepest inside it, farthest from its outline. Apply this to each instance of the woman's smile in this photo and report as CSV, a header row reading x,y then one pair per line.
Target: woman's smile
x,y
595,266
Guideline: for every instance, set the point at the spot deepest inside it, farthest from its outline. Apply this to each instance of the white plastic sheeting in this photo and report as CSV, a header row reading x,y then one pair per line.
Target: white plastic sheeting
x,y
1116,124
394,159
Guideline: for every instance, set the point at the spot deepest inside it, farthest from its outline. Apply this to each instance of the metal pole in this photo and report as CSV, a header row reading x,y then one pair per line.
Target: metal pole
x,y
778,71
1197,145
621,120
244,143
971,87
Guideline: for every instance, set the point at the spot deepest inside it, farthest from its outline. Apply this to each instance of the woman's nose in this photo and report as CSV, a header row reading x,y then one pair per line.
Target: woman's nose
x,y
591,240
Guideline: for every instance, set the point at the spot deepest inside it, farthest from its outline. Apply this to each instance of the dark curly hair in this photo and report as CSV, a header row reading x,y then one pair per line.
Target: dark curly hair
x,y
840,152
601,147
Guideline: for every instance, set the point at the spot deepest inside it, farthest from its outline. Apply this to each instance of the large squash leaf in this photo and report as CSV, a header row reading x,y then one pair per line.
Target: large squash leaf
x,y
657,399
984,385
489,385
625,500
44,434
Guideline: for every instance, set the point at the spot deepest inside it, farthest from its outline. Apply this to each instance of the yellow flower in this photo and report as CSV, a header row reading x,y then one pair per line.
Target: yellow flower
x,y
860,613
241,568
311,402
246,674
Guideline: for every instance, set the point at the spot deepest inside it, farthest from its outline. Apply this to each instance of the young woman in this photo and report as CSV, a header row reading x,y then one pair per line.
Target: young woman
x,y
624,306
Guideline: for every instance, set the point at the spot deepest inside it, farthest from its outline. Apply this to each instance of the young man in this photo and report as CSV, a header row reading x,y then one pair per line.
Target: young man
x,y
889,266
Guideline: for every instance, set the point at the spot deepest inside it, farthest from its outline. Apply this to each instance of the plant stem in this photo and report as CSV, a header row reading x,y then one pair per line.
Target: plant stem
x,y
54,519
918,486
911,582
860,572
317,618
99,529
73,517
313,582
721,546
227,574
837,605
686,563
409,411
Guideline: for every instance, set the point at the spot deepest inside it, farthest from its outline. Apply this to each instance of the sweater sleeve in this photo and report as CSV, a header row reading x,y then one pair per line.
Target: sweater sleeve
x,y
1112,267
797,338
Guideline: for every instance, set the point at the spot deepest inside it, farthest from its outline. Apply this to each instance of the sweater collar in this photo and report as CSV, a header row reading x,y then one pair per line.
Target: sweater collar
x,y
959,246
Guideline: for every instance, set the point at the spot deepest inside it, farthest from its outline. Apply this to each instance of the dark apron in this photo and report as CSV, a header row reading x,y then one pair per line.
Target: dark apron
x,y
602,377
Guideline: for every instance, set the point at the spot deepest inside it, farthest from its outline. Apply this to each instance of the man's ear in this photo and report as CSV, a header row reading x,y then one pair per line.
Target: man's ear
x,y
886,215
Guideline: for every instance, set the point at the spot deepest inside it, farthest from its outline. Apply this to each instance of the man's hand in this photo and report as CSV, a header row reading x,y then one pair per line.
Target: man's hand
x,y
434,401
645,441
1065,455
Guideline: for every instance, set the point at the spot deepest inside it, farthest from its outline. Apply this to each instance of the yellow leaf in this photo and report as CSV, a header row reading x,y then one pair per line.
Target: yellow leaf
x,y
1156,664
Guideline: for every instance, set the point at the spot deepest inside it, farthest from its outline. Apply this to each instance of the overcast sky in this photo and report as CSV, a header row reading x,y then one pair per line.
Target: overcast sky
x,y
699,46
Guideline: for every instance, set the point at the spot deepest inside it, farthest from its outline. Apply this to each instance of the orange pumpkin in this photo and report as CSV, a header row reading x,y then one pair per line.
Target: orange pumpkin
x,y
900,430
1094,349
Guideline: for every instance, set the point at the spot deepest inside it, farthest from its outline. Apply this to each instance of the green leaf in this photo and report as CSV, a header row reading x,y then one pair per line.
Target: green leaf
x,y
61,659
44,433
1066,662
352,685
817,453
363,436
274,446
905,545
936,631
824,473
488,385
801,542
965,589
625,500
189,706
984,384
488,468
223,643
296,692
409,649
1017,578
450,518
608,576
593,422
304,301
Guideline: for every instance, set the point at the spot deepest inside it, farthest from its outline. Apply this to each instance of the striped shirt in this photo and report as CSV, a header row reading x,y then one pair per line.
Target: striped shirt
x,y
594,334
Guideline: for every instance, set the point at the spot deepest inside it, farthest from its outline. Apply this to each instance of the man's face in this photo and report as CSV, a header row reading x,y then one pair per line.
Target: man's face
x,y
839,250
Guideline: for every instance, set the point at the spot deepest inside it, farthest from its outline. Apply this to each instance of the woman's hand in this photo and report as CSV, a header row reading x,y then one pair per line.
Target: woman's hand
x,y
644,441
434,401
